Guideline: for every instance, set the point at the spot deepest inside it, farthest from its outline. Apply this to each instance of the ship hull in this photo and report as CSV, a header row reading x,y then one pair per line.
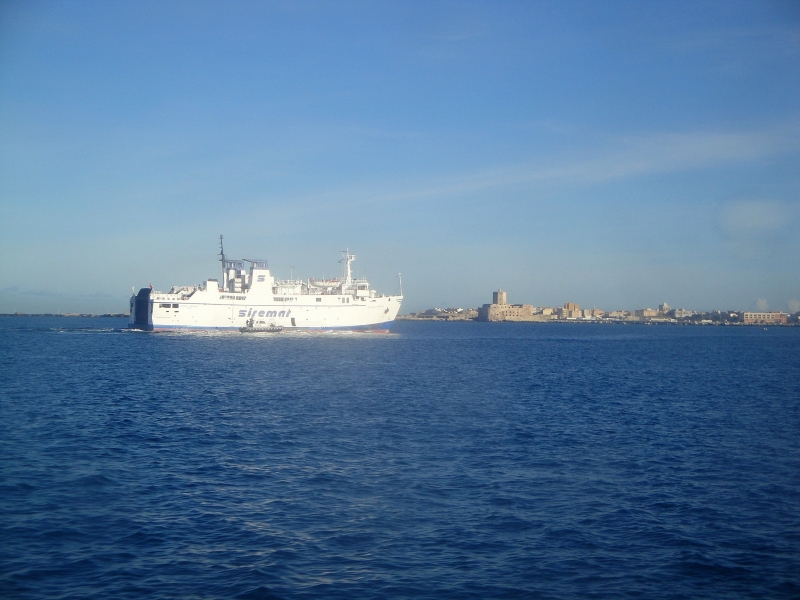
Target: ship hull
x,y
299,312
376,327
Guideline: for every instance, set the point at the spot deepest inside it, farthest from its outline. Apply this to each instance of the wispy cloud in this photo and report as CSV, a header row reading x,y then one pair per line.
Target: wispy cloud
x,y
15,290
602,160
755,218
756,228
784,37
739,49
616,158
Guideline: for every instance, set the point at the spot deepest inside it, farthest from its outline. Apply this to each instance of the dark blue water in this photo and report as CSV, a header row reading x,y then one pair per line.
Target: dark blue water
x,y
446,460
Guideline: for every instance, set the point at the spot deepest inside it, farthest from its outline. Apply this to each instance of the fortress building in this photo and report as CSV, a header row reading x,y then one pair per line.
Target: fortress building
x,y
499,310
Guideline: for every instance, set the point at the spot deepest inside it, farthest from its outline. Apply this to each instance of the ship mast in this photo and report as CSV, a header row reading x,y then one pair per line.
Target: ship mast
x,y
222,260
347,275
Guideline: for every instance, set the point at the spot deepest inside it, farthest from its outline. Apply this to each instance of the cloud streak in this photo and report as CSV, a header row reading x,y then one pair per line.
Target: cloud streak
x,y
755,218
614,159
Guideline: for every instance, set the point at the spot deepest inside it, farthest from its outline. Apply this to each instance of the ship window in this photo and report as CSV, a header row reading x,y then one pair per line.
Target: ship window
x,y
163,305
319,299
174,306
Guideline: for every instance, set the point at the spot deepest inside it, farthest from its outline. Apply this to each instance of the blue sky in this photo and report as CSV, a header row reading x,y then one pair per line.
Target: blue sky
x,y
617,155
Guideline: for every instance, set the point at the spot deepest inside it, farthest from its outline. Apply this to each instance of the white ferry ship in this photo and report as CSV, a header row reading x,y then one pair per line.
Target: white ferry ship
x,y
252,297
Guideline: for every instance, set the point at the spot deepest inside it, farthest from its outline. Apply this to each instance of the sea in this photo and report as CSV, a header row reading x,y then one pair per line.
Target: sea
x,y
441,460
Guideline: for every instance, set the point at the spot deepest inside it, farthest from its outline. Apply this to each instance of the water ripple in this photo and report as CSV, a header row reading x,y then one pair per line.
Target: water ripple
x,y
441,461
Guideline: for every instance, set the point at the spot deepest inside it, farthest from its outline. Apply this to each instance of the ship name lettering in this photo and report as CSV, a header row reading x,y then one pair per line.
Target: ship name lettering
x,y
254,312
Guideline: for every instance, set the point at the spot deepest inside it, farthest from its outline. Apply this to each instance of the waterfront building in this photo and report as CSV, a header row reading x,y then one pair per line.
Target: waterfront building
x,y
765,318
571,311
646,312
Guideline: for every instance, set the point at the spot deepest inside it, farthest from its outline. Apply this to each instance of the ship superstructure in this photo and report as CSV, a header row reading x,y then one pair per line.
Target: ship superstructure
x,y
250,296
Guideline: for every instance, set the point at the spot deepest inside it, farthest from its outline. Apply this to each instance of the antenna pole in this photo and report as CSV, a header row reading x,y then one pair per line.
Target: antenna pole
x,y
399,276
222,260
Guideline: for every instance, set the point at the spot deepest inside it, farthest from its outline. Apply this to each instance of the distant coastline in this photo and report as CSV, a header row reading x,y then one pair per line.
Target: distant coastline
x,y
500,311
609,321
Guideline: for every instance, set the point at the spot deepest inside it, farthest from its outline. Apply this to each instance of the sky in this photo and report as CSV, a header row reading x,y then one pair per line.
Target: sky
x,y
614,154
